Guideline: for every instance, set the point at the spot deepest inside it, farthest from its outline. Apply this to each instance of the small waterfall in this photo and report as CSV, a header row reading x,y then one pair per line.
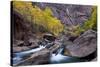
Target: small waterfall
x,y
58,57
19,56
60,50
31,51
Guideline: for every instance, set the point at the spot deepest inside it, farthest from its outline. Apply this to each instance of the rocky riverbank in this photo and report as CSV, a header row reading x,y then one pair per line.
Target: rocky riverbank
x,y
52,31
82,48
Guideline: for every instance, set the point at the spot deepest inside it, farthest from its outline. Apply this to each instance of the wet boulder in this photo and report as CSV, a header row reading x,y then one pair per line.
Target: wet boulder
x,y
84,44
49,37
54,48
19,45
19,49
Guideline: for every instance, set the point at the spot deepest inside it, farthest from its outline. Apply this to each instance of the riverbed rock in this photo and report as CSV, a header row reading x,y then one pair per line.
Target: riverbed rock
x,y
18,43
24,48
19,46
54,48
39,57
84,44
66,52
95,59
19,49
33,43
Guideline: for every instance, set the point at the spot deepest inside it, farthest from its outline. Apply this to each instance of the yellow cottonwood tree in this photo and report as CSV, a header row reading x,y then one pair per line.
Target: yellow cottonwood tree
x,y
38,17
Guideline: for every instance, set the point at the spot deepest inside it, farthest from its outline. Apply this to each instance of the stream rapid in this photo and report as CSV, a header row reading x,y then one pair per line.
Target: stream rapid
x,y
55,58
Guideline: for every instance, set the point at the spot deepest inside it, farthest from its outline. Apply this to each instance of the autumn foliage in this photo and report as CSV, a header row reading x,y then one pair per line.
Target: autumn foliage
x,y
91,23
39,18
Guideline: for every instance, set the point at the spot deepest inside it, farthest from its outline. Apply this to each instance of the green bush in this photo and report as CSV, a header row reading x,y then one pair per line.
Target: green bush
x,y
91,23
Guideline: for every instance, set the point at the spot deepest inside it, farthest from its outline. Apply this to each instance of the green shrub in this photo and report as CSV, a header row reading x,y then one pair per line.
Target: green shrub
x,y
91,23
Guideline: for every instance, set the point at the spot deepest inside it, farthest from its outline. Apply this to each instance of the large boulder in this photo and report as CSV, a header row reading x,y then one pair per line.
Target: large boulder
x,y
84,44
54,48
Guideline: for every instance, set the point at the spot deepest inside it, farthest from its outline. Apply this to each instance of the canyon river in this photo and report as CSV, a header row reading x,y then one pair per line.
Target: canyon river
x,y
54,58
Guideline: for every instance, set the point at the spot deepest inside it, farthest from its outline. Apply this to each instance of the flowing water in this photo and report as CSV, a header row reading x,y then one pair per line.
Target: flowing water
x,y
60,58
55,58
19,56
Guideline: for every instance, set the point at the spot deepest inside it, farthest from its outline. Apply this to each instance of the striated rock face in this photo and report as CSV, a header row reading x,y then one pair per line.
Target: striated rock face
x,y
39,57
84,44
69,14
